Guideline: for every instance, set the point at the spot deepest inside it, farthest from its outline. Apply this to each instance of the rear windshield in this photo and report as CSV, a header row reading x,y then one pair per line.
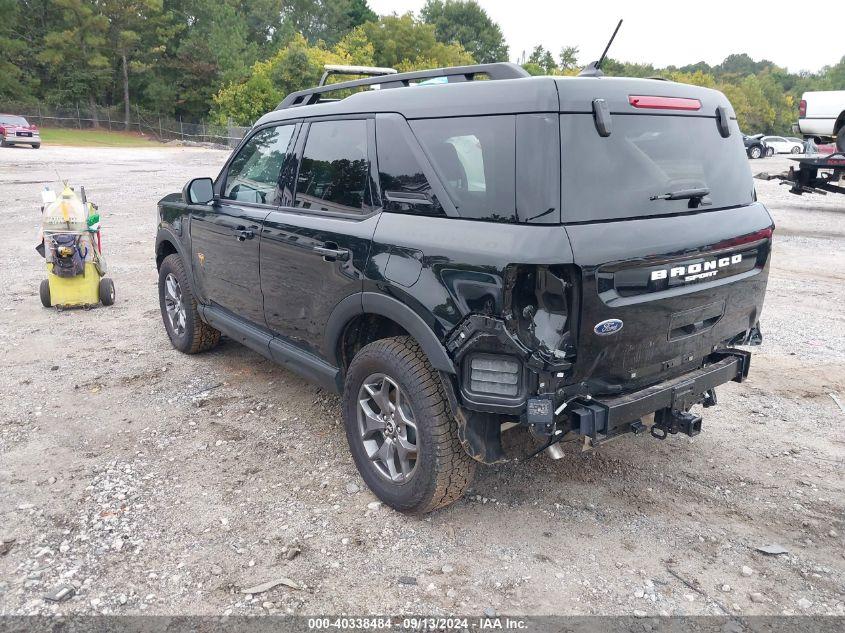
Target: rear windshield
x,y
614,177
9,119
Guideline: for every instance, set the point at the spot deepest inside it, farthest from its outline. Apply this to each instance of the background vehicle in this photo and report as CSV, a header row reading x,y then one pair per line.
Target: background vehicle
x,y
16,130
443,257
754,146
821,115
782,145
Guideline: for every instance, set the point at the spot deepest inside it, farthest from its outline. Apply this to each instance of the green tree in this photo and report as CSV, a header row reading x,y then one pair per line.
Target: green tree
x,y
407,43
325,20
14,83
543,59
75,53
296,66
569,58
466,23
131,27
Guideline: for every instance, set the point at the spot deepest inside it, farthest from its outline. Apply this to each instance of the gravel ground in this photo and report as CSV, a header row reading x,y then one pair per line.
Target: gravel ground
x,y
165,484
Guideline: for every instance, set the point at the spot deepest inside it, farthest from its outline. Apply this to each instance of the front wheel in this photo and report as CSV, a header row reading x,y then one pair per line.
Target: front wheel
x,y
36,145
188,333
840,139
400,428
755,152
44,292
796,150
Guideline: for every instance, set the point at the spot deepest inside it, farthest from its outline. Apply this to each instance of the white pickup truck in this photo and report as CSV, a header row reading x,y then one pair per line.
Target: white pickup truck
x,y
821,115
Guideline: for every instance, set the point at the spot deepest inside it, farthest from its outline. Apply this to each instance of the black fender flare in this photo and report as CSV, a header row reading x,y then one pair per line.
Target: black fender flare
x,y
393,309
165,234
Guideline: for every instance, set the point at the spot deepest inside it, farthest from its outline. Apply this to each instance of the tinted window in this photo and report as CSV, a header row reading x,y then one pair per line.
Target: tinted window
x,y
538,168
615,176
254,172
334,170
404,187
474,160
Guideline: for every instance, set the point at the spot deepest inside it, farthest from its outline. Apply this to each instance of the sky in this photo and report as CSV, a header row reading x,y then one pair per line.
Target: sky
x,y
662,32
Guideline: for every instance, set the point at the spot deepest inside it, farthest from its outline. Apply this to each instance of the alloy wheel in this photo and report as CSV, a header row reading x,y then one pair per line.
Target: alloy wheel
x,y
174,304
387,428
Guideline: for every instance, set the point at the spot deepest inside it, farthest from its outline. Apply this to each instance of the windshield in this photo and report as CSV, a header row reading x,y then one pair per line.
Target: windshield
x,y
650,165
9,119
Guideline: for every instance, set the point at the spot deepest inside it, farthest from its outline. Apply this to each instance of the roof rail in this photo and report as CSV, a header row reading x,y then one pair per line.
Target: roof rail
x,y
500,70
372,71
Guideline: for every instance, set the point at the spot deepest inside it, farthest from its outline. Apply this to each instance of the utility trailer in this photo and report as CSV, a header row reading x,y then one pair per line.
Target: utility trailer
x,y
815,174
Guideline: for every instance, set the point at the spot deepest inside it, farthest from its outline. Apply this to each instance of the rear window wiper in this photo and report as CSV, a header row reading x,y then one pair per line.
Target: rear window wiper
x,y
683,194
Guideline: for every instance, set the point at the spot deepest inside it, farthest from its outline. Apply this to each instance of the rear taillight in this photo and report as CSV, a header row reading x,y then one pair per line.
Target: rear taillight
x,y
664,103
763,234
802,108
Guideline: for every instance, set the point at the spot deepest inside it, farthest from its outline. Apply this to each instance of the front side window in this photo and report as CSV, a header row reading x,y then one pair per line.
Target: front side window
x,y
334,172
254,172
474,159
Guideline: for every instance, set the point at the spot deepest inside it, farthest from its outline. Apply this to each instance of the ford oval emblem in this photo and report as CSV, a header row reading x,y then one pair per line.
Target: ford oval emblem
x,y
608,326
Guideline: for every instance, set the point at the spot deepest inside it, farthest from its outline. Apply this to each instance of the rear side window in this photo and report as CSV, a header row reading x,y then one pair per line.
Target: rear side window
x,y
334,171
615,177
254,171
474,160
404,186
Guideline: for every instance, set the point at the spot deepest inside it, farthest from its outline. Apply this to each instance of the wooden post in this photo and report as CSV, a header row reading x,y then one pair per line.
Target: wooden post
x,y
181,129
108,114
78,116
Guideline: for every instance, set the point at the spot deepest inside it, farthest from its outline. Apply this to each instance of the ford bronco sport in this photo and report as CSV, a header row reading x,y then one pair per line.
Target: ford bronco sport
x,y
576,256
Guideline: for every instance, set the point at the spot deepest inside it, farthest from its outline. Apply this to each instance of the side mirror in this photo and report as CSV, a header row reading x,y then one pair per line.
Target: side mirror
x,y
199,191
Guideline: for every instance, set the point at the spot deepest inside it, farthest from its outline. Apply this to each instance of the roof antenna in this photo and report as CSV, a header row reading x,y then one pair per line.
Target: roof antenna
x,y
593,69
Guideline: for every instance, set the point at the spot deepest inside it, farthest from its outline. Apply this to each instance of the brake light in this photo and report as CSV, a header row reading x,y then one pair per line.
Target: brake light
x,y
664,103
763,234
802,108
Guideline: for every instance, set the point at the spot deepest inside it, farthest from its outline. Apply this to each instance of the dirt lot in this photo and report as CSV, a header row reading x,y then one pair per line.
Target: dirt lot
x,y
161,483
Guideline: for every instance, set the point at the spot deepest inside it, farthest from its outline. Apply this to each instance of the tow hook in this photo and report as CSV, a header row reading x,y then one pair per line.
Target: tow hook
x,y
668,421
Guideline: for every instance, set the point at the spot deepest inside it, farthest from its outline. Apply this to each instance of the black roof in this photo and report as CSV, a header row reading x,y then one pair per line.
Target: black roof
x,y
506,96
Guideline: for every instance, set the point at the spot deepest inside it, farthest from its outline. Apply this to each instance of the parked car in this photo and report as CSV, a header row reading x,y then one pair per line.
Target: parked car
x,y
821,115
470,257
755,148
781,145
16,130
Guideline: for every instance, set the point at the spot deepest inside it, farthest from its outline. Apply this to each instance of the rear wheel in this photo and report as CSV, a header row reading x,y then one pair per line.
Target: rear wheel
x,y
3,143
400,428
44,292
755,152
188,333
796,150
36,145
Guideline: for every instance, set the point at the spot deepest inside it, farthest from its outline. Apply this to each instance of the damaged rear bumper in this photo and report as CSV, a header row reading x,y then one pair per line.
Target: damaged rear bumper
x,y
603,418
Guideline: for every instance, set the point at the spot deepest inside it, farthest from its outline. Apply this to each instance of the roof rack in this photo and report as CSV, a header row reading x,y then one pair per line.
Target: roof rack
x,y
500,70
372,71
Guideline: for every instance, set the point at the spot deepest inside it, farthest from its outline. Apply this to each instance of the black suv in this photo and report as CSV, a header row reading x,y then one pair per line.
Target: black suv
x,y
573,256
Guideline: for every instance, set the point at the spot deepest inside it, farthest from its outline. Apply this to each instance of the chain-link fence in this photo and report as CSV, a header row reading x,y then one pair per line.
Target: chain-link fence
x,y
160,127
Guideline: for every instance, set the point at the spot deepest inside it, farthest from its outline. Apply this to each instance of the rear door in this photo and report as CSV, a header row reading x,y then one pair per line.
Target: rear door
x,y
315,246
662,280
226,235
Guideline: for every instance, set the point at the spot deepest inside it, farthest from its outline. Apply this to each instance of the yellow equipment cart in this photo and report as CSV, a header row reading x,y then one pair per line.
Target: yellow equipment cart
x,y
75,265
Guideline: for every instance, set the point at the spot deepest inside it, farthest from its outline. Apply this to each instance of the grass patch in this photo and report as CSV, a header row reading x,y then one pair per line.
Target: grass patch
x,y
94,138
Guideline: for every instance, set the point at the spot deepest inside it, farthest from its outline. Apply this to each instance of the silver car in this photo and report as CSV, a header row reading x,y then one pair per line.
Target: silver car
x,y
16,130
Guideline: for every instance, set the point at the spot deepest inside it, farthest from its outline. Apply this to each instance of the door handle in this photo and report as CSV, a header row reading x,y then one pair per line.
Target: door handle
x,y
331,252
244,234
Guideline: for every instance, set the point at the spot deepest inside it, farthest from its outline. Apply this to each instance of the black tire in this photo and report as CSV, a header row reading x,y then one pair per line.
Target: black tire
x,y
196,335
106,291
443,470
36,145
770,151
3,143
796,150
44,291
840,139
755,152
